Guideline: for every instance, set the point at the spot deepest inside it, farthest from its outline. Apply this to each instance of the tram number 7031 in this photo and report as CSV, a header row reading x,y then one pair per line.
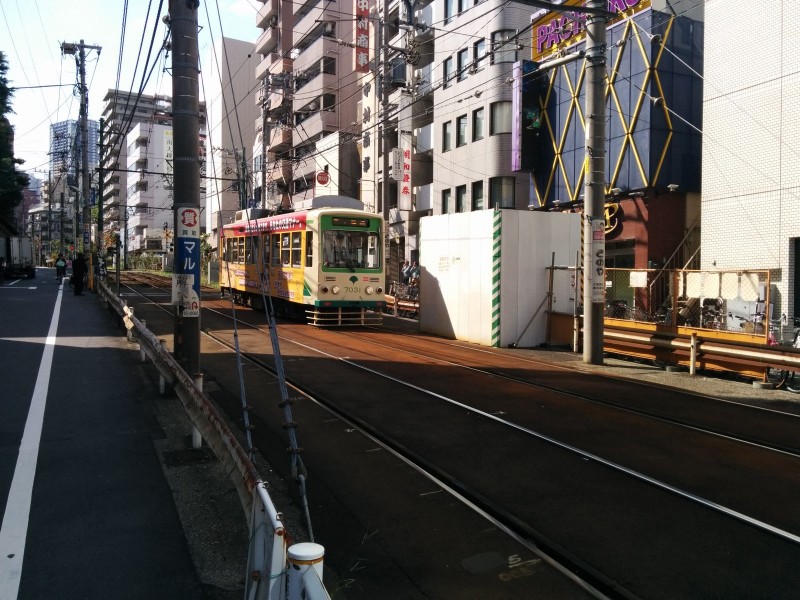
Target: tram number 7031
x,y
351,289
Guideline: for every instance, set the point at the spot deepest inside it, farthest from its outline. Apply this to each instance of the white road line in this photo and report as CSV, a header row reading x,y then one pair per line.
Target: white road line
x,y
15,520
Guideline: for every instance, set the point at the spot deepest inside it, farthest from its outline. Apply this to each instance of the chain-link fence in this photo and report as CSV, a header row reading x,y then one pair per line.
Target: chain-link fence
x,y
731,301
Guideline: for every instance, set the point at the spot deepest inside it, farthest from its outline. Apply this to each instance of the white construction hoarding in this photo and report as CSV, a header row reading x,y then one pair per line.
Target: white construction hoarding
x,y
484,274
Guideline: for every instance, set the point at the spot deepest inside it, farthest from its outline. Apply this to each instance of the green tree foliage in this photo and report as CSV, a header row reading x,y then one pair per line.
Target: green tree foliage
x,y
12,181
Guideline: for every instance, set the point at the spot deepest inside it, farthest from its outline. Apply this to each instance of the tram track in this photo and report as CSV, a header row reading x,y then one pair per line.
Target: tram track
x,y
517,436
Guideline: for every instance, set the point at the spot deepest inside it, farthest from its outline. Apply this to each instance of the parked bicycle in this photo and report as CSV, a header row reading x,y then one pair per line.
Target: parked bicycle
x,y
784,378
619,309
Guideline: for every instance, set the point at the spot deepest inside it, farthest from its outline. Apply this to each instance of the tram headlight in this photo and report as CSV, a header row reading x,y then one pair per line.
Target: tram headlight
x,y
369,290
324,289
336,289
380,290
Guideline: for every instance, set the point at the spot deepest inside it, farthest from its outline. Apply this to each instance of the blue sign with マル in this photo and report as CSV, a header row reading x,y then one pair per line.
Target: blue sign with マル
x,y
187,261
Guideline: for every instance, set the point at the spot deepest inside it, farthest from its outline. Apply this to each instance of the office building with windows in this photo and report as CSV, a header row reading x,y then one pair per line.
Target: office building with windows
x,y
144,116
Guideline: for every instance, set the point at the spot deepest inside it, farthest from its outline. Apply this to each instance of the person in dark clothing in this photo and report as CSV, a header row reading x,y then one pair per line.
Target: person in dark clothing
x,y
61,267
78,273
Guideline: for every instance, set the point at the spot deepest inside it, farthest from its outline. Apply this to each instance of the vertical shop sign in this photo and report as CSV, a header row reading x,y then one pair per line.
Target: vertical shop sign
x,y
362,36
405,178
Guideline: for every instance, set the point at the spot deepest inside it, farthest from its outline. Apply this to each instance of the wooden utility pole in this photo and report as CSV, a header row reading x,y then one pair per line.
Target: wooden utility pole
x,y
186,178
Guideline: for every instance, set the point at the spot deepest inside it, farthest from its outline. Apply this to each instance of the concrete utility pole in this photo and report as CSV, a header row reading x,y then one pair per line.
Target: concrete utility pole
x,y
594,242
100,215
186,133
84,245
382,80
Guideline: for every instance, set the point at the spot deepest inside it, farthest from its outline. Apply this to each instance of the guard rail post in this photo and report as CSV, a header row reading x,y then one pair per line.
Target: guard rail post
x,y
142,353
303,557
197,439
162,381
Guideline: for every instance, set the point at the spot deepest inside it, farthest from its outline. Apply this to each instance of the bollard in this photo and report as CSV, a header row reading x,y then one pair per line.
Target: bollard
x,y
162,382
693,355
301,558
197,439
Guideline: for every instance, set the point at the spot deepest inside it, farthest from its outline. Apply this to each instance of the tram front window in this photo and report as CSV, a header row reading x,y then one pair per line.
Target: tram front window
x,y
350,249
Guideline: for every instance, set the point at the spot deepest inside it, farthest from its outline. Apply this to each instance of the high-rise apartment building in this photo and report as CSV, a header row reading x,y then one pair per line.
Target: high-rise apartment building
x,y
123,179
309,95
66,150
232,115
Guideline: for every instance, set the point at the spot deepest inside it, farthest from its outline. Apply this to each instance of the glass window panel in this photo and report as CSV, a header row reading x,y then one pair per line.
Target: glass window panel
x,y
504,46
461,198
501,192
297,243
462,59
461,130
477,195
500,118
477,124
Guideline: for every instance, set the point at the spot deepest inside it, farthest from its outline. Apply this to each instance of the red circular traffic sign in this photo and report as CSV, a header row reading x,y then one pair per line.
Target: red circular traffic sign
x,y
323,178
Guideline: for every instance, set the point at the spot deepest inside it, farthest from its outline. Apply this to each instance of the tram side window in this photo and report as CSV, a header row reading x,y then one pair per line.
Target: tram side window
x,y
310,249
252,249
240,249
275,249
372,254
265,247
297,249
233,252
285,249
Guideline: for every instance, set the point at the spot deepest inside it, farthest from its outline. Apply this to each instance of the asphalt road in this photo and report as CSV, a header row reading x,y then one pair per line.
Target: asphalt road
x,y
87,509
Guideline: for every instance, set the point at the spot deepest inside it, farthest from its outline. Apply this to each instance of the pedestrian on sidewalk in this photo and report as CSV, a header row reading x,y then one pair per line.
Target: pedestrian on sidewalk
x,y
78,273
61,267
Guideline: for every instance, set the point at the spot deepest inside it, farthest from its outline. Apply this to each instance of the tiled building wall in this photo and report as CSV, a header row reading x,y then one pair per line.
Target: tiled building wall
x,y
751,142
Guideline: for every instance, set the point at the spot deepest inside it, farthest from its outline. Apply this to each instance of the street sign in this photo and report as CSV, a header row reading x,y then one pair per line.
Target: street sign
x,y
323,178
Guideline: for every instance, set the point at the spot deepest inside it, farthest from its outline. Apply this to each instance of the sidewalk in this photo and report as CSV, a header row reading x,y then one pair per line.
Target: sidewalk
x,y
122,507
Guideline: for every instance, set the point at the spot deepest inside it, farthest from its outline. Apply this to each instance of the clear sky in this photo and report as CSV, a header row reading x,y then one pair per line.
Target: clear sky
x,y
31,33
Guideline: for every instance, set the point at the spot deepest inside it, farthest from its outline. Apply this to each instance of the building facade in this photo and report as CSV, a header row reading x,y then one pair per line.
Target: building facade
x,y
124,112
306,143
750,206
654,107
149,195
64,185
232,112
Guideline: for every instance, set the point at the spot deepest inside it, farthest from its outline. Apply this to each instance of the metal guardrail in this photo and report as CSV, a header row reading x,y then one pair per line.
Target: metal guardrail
x,y
272,567
693,350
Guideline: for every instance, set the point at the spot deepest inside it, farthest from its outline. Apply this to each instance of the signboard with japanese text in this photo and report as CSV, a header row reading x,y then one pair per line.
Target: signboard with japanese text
x,y
186,279
396,164
554,31
596,229
362,36
404,183
169,150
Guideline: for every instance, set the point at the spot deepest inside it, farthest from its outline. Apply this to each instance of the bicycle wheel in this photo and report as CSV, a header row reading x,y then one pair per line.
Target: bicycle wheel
x,y
792,382
778,377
